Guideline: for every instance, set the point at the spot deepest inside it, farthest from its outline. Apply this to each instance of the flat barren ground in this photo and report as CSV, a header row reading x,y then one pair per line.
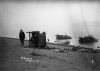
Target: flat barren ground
x,y
14,57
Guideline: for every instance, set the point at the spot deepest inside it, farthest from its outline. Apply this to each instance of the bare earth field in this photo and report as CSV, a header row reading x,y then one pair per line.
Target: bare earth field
x,y
14,57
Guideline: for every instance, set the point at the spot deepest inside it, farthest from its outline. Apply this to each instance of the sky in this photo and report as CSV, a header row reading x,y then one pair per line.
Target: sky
x,y
74,18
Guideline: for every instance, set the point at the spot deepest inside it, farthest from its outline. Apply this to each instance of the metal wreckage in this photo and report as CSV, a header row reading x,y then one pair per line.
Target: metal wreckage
x,y
37,39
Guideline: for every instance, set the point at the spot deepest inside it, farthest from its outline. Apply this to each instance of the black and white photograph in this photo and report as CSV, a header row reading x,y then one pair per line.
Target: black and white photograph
x,y
49,35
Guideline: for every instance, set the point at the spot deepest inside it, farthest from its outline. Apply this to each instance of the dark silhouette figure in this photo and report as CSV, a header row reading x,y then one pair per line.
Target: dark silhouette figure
x,y
22,37
48,40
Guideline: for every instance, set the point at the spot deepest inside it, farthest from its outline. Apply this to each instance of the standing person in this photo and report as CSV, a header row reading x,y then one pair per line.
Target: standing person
x,y
22,37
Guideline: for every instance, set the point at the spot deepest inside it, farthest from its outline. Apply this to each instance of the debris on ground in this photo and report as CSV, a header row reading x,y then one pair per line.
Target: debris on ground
x,y
56,50
60,50
47,47
68,49
75,48
82,50
35,54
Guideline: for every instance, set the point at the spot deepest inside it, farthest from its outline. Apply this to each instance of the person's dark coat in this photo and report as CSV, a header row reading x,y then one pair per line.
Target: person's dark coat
x,y
22,35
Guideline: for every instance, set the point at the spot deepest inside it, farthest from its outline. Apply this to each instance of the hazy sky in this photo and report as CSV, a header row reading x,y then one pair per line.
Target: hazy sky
x,y
75,18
